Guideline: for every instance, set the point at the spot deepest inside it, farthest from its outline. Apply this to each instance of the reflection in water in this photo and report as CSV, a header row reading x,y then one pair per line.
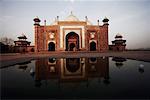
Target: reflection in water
x,y
76,78
23,65
119,61
71,69
32,71
52,60
38,83
141,68
72,64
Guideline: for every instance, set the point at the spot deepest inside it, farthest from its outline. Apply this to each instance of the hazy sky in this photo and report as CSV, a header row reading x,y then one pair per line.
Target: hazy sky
x,y
131,18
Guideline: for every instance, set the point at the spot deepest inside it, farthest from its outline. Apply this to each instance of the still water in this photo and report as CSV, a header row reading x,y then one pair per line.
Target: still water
x,y
77,78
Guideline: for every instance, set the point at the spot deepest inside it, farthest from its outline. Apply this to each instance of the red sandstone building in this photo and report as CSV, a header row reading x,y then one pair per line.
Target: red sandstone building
x,y
71,34
118,44
22,45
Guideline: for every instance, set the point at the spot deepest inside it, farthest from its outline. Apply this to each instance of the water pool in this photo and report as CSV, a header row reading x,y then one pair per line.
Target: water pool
x,y
102,77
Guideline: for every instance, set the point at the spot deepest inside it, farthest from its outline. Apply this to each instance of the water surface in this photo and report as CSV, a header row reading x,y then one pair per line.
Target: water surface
x,y
77,78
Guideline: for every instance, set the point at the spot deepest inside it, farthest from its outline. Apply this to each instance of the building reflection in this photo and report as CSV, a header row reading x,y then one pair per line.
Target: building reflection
x,y
23,66
118,61
71,69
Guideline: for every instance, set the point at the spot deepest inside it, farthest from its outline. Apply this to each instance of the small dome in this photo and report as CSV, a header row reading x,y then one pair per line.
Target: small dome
x,y
71,17
36,19
105,19
22,36
118,36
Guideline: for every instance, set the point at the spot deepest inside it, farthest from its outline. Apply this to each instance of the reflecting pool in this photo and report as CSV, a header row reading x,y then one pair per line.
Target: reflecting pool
x,y
77,78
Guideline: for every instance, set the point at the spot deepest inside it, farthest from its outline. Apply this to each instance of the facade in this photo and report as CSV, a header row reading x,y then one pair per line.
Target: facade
x,y
118,44
22,45
71,34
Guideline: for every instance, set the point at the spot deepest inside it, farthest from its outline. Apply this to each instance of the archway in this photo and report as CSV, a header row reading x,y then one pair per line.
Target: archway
x,y
72,64
93,46
72,41
51,46
72,47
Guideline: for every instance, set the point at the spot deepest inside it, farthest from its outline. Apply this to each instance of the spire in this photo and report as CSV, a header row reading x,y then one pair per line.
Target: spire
x,y
87,21
57,18
86,18
22,34
71,13
36,17
98,22
45,22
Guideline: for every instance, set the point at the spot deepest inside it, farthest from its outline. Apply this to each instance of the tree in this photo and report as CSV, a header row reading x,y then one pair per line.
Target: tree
x,y
7,41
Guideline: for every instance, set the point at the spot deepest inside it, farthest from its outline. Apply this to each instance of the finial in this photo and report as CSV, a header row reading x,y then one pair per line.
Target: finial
x,y
98,22
57,18
45,22
71,13
86,17
23,34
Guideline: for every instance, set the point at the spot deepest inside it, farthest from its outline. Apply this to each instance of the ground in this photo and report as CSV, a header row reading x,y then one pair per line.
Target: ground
x,y
11,59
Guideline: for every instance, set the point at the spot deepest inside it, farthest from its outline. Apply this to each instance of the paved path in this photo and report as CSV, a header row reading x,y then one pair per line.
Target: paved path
x,y
11,59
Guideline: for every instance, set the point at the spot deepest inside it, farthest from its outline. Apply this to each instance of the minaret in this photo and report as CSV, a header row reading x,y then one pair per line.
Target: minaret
x,y
105,34
105,21
37,21
44,36
36,31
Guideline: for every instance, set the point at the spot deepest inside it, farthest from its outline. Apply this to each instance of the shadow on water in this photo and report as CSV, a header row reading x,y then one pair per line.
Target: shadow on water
x,y
75,78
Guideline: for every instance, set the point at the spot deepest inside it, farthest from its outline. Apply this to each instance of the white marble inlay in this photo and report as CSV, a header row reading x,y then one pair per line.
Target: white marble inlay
x,y
83,35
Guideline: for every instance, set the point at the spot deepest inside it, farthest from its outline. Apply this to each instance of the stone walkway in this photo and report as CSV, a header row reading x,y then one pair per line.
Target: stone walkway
x,y
14,58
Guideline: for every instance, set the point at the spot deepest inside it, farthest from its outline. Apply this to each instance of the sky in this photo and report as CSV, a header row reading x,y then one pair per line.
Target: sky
x,y
130,18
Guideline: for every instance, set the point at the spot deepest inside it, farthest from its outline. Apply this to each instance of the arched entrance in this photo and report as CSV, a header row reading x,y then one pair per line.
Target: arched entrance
x,y
51,46
72,64
72,42
72,46
92,46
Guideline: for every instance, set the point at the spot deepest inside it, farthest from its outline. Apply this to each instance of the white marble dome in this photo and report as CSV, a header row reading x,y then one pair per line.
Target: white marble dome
x,y
71,17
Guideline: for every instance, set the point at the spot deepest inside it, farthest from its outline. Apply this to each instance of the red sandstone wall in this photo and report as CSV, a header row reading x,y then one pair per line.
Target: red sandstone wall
x,y
101,37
